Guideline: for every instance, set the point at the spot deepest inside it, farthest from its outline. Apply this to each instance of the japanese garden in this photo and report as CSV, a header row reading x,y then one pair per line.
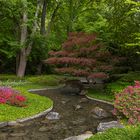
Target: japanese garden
x,y
70,70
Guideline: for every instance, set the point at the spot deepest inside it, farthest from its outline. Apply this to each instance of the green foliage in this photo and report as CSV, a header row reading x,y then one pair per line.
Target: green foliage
x,y
35,105
124,81
115,87
128,133
116,22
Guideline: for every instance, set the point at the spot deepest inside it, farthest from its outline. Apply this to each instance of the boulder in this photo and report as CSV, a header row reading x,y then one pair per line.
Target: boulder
x,y
53,116
100,113
106,125
79,137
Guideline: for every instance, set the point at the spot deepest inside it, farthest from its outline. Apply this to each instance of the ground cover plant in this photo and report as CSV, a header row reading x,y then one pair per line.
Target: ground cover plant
x,y
127,133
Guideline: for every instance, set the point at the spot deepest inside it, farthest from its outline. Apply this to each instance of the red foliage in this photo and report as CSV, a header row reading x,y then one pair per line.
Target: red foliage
x,y
72,71
59,53
77,39
80,56
12,97
98,75
71,60
106,68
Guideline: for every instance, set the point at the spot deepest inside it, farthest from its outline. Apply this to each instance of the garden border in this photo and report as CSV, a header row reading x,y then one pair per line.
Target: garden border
x,y
22,120
12,123
98,100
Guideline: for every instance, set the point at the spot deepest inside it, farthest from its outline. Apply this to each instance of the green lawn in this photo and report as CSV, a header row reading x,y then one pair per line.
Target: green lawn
x,y
35,104
97,94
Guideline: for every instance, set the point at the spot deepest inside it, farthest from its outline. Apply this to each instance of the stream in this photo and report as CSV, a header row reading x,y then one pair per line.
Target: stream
x,y
76,117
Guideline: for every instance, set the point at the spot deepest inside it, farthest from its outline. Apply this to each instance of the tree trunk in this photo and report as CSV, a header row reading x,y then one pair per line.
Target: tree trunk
x,y
43,18
22,57
22,63
52,19
25,51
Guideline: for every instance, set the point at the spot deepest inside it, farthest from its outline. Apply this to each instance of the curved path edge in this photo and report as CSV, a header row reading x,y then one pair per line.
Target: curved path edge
x,y
22,120
98,100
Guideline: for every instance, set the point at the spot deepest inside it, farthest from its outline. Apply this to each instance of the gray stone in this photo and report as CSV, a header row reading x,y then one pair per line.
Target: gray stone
x,y
83,92
100,113
63,102
12,123
83,100
106,125
20,134
88,132
79,137
53,116
43,128
77,107
3,124
45,121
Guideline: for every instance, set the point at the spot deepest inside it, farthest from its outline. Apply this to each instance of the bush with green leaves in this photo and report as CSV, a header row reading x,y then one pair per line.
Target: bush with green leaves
x,y
128,133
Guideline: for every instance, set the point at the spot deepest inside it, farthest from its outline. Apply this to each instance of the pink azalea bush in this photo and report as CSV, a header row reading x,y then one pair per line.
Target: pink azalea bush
x,y
12,97
128,103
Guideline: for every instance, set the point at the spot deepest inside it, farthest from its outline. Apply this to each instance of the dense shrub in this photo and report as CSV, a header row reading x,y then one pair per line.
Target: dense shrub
x,y
128,133
12,97
128,103
82,55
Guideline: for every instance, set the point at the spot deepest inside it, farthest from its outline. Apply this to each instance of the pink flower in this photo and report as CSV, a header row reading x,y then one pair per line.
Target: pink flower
x,y
20,98
2,100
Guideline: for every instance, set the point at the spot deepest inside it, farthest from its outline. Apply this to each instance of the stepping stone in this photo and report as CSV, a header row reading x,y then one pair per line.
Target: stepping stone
x,y
100,113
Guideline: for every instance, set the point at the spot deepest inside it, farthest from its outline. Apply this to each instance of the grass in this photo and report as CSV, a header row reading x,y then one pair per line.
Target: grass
x,y
35,104
127,133
98,94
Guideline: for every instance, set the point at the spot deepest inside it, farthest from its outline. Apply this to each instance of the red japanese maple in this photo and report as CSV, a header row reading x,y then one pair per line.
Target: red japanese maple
x,y
82,56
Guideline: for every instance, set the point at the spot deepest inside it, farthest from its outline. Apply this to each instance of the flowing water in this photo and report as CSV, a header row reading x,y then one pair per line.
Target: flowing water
x,y
75,118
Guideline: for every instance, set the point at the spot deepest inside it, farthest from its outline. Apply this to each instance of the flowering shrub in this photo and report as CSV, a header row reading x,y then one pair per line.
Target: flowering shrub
x,y
12,97
128,103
